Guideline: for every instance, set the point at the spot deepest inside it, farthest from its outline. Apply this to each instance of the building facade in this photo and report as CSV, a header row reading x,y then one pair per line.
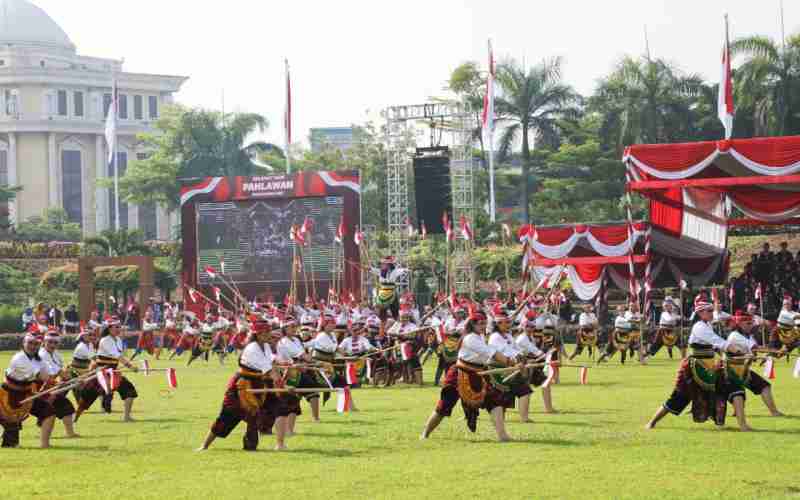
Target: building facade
x,y
340,138
53,104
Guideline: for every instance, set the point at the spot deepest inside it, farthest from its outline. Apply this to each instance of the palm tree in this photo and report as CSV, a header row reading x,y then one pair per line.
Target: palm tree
x,y
120,243
530,104
647,101
768,83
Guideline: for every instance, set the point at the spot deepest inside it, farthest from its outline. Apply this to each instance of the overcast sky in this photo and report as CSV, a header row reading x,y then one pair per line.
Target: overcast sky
x,y
352,57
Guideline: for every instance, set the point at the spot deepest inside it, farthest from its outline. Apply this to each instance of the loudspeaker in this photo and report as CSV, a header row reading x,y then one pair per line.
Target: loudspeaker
x,y
433,191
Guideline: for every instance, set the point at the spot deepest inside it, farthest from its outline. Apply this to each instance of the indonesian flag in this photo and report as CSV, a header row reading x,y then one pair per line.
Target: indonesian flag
x,y
725,97
448,228
526,233
351,375
796,371
111,122
287,114
305,229
339,238
114,379
344,400
409,228
222,264
293,233
466,230
172,378
488,99
769,369
440,334
506,231
683,284
423,231
192,294
211,272
101,379
584,375
146,367
758,292
369,369
217,293
406,351
453,300
358,237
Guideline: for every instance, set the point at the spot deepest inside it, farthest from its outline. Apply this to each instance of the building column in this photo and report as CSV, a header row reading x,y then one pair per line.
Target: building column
x,y
87,184
162,223
133,216
101,193
13,205
54,200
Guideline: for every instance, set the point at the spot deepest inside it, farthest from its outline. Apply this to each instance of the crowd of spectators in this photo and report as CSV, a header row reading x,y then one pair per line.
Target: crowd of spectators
x,y
775,272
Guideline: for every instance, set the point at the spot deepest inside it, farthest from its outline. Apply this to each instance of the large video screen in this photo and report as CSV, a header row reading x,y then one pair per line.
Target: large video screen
x,y
253,238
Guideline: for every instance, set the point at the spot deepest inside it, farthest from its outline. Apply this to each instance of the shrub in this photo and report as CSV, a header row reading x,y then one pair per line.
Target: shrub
x,y
10,318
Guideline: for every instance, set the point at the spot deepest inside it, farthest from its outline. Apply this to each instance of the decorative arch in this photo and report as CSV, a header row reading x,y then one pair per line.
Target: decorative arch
x,y
86,266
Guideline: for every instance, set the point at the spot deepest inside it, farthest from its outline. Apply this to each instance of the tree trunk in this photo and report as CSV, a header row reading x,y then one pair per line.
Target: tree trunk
x,y
526,158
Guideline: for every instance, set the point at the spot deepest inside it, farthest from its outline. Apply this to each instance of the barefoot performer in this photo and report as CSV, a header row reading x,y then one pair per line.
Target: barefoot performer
x,y
53,365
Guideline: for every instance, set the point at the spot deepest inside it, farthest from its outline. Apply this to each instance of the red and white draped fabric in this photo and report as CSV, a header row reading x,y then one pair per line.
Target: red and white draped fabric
x,y
605,240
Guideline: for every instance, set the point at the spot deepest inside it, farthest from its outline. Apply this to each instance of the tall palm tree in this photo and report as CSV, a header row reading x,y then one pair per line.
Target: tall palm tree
x,y
646,100
768,83
530,104
120,243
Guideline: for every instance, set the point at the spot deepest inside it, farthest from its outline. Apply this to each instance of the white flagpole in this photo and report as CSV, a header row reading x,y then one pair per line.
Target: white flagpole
x,y
115,103
490,124
287,120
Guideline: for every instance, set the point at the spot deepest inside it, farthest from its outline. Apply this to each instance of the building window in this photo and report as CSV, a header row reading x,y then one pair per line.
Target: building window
x,y
62,103
41,63
2,62
123,107
148,221
78,104
106,104
152,104
11,102
122,165
138,107
4,213
72,192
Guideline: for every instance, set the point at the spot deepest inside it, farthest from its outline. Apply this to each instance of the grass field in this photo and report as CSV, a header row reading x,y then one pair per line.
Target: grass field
x,y
595,448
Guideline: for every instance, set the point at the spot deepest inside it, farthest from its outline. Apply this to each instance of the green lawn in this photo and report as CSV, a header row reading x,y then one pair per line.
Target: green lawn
x,y
595,448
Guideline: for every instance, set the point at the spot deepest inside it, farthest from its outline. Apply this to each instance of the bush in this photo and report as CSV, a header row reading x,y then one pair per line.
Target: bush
x,y
10,319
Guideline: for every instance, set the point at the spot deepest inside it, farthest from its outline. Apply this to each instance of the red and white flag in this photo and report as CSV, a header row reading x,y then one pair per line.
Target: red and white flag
x,y
758,292
406,351
453,300
287,114
102,380
410,232
305,230
358,237
488,99
217,293
423,231
769,369
172,378
146,367
584,375
192,294
221,264
111,122
448,228
466,229
725,97
440,334
344,400
211,272
339,238
351,374
683,284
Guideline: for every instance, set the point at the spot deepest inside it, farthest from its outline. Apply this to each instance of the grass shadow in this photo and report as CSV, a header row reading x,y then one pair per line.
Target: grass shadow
x,y
324,452
319,434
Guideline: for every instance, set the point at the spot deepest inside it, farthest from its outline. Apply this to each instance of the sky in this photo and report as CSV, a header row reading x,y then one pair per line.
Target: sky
x,y
351,58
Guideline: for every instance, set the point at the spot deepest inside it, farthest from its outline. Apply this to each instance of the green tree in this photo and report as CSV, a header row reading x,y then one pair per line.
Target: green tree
x,y
767,84
190,143
468,83
53,225
120,243
7,193
532,103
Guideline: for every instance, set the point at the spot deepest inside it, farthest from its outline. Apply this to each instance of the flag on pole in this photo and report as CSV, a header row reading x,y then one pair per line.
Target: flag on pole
x,y
102,381
725,97
305,229
758,292
111,122
423,231
409,228
172,378
217,293
339,238
344,400
287,114
466,230
769,369
358,237
351,374
488,99
211,272
448,228
222,264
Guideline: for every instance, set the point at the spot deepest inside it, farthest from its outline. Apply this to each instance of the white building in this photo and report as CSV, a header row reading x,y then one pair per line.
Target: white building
x,y
53,104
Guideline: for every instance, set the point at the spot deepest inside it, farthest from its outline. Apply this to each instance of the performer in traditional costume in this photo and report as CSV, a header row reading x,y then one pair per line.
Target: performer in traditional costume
x,y
411,343
517,387
291,351
619,339
23,376
531,354
109,356
668,334
463,383
147,338
638,323
588,326
447,351
701,380
785,336
82,357
255,372
206,340
323,350
188,339
742,337
53,365
387,299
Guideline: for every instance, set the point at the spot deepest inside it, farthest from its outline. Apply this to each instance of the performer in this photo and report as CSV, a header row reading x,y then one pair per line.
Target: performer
x,y
447,351
518,387
784,336
410,337
23,375
323,351
255,372
290,351
82,357
619,339
109,356
743,337
206,340
388,276
462,382
700,378
147,338
527,344
191,331
638,325
170,336
668,335
587,332
53,366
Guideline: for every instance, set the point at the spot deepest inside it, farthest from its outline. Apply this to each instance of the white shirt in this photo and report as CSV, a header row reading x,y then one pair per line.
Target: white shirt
x,y
546,318
23,369
400,329
189,330
354,348
632,316
392,277
257,357
744,343
324,343
290,348
51,362
147,326
587,319
475,350
668,319
454,325
622,323
83,351
786,318
702,333
222,324
110,347
504,343
526,346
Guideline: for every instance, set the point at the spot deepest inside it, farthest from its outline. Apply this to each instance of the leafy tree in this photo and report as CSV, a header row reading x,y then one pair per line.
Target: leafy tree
x,y
190,143
531,103
117,243
7,193
467,82
53,225
768,84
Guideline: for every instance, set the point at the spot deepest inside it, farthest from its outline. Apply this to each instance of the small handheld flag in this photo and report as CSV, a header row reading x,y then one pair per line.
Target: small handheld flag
x,y
769,369
172,378
351,375
344,400
146,367
101,379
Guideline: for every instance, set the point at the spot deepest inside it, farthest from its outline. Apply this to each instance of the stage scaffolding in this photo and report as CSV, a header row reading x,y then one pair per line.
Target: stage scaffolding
x,y
455,124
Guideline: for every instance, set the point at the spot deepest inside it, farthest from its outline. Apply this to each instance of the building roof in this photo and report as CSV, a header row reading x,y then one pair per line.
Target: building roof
x,y
24,24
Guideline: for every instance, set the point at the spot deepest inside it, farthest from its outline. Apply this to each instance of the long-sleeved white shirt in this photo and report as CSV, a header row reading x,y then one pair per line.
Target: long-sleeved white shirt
x,y
24,368
504,343
52,362
702,333
587,320
526,346
324,342
110,347
354,348
84,351
257,357
475,350
668,319
743,342
290,348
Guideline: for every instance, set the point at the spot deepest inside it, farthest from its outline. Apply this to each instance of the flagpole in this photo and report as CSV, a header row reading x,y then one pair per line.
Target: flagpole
x,y
489,125
115,103
287,119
